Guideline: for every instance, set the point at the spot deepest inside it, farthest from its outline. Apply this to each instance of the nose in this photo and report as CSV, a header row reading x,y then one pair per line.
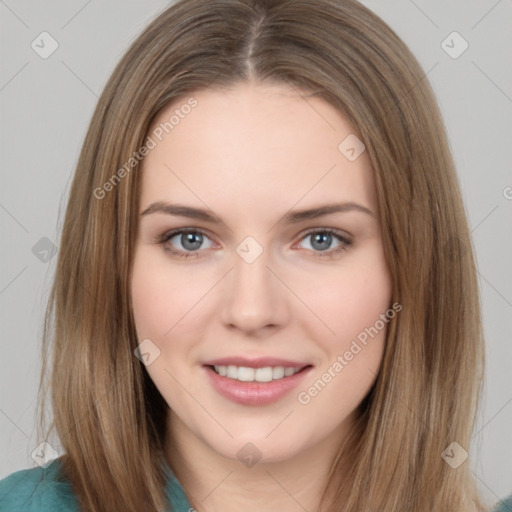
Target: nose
x,y
255,299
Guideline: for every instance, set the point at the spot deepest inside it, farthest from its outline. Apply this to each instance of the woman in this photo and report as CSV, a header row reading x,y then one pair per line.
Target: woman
x,y
258,369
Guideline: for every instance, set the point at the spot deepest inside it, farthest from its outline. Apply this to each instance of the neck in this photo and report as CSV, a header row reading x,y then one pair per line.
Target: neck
x,y
213,482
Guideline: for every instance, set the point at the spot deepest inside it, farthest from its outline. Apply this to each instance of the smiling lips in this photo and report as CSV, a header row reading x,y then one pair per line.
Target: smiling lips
x,y
255,382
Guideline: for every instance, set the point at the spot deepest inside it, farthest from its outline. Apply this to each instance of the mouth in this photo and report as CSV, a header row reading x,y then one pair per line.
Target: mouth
x,y
261,374
258,383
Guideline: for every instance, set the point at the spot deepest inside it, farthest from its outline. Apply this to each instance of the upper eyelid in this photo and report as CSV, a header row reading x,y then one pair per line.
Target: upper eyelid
x,y
177,231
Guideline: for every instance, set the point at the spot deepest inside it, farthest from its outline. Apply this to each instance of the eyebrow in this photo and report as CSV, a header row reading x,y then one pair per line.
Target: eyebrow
x,y
292,217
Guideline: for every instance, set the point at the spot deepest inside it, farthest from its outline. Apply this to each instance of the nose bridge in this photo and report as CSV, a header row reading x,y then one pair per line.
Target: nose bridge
x,y
254,295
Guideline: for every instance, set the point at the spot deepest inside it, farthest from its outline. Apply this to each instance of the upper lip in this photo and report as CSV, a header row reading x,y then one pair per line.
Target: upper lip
x,y
259,362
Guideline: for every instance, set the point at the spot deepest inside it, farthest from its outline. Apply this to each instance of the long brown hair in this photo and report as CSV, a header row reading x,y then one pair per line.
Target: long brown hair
x,y
107,412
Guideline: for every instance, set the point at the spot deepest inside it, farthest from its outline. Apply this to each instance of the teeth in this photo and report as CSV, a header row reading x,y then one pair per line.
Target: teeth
x,y
263,374
278,372
246,374
232,372
288,372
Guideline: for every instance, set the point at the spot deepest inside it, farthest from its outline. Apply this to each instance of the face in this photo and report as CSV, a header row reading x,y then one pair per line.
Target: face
x,y
261,324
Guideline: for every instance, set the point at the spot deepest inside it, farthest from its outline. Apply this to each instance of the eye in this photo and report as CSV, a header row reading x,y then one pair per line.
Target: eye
x,y
321,240
189,239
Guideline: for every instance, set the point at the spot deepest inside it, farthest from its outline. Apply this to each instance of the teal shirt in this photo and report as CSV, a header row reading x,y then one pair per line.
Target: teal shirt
x,y
504,506
40,490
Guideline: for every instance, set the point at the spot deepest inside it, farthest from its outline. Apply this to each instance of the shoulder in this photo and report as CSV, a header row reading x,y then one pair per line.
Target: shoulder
x,y
37,489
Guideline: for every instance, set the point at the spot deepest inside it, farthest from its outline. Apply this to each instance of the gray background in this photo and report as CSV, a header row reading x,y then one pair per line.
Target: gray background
x,y
46,105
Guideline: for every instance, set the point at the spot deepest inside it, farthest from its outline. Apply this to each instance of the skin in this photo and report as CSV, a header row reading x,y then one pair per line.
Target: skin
x,y
250,154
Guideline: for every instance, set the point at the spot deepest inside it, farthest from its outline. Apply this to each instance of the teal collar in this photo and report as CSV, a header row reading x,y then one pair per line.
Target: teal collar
x,y
175,492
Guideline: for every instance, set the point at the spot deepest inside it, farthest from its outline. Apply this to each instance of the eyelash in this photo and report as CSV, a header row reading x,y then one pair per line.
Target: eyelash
x,y
164,239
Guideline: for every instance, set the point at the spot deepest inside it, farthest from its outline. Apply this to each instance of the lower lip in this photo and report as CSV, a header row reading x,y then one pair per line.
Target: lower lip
x,y
254,393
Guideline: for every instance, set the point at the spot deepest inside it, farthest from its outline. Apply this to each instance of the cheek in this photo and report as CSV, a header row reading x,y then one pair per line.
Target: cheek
x,y
352,299
162,295
150,300
162,299
355,312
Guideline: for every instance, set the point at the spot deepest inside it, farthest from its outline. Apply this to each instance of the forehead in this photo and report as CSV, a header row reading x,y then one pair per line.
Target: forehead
x,y
250,147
